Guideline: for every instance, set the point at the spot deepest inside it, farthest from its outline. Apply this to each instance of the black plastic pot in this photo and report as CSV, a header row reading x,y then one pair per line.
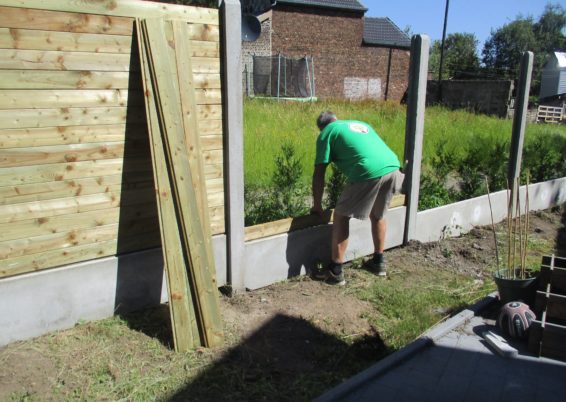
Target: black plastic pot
x,y
515,289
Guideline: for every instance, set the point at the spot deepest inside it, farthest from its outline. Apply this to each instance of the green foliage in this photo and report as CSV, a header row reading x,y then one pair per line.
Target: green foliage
x,y
285,197
502,51
334,186
460,56
543,157
460,150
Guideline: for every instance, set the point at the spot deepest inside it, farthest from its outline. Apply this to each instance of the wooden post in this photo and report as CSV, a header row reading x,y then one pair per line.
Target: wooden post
x,y
519,121
232,100
414,129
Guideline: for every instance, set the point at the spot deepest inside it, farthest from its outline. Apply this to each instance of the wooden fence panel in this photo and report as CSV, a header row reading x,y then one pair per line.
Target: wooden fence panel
x,y
74,146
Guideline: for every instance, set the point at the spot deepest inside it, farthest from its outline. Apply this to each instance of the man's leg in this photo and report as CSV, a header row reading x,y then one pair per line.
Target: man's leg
x,y
378,227
376,263
340,234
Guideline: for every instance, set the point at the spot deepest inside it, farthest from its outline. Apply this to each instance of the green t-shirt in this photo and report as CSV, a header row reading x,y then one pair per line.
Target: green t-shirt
x,y
356,149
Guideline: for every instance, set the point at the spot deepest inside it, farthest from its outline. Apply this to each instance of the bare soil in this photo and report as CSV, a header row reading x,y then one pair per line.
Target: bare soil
x,y
288,341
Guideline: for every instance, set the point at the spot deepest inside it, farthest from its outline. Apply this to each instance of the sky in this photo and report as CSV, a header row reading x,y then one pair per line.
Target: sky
x,y
465,16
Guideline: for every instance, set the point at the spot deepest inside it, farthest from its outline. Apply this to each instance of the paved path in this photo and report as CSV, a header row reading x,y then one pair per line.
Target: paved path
x,y
454,363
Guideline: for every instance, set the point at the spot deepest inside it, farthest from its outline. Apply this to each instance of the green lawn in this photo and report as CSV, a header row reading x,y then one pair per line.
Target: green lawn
x,y
269,124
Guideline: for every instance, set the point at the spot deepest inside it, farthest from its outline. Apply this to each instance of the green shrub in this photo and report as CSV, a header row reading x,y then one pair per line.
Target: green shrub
x,y
285,197
334,186
544,157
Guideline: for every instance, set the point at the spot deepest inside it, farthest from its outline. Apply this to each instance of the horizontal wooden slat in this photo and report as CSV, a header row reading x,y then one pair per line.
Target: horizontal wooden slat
x,y
34,245
54,258
72,170
210,127
35,137
49,79
212,112
207,65
208,96
74,237
52,60
29,118
25,18
60,153
77,204
205,80
217,220
212,171
301,222
211,142
215,199
32,39
213,156
214,185
69,188
69,255
69,98
122,8
201,48
128,218
62,206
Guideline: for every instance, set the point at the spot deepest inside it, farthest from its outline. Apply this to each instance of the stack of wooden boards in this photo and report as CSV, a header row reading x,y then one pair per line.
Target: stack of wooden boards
x,y
547,336
179,180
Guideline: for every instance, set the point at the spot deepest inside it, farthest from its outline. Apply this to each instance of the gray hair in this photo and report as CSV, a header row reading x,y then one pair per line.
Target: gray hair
x,y
325,118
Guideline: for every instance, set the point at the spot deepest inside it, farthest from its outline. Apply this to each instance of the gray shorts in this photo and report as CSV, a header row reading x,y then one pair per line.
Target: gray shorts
x,y
359,199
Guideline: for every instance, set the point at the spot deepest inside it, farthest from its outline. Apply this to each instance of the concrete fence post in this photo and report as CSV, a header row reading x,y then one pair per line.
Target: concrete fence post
x,y
414,129
232,103
519,122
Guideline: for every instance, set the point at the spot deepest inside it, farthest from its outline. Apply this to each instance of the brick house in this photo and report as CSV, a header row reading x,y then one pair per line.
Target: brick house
x,y
355,57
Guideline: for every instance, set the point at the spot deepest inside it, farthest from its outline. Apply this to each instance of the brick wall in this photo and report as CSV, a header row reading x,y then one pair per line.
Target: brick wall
x,y
259,47
344,68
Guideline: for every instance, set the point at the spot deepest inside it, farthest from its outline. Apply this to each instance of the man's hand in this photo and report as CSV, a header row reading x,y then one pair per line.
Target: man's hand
x,y
318,188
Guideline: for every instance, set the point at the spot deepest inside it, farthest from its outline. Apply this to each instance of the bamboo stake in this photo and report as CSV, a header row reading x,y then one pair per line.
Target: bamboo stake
x,y
527,208
519,224
509,226
492,224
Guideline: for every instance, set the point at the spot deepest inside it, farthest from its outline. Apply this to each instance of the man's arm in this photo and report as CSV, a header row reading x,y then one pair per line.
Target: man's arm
x,y
318,187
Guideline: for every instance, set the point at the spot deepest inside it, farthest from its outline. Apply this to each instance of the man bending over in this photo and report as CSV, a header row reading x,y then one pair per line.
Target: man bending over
x,y
372,172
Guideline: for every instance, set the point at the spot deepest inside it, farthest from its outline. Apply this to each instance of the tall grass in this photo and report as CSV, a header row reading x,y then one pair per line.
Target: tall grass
x,y
269,124
450,137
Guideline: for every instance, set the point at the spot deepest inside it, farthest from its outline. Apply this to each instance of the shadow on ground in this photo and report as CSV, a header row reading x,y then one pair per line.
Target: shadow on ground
x,y
154,322
282,362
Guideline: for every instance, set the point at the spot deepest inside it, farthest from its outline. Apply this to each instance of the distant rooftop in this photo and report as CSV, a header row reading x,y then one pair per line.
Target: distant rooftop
x,y
382,31
561,58
350,5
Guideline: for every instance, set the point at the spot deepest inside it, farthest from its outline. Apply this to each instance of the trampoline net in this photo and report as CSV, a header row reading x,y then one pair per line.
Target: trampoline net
x,y
280,76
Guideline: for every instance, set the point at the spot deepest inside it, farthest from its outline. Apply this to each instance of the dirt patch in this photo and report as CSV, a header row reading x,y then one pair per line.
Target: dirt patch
x,y
289,341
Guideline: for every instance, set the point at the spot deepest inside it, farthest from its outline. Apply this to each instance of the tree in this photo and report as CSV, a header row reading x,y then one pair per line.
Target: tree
x,y
460,56
502,51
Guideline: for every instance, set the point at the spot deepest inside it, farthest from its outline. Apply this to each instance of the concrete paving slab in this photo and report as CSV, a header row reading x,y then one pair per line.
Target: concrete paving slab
x,y
457,365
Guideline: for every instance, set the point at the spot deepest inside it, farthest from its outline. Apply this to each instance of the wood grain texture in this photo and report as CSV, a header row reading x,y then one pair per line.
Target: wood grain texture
x,y
49,79
122,8
34,39
65,61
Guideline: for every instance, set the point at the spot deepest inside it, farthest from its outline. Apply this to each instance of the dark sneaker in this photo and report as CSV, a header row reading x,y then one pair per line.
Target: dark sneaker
x,y
377,268
330,277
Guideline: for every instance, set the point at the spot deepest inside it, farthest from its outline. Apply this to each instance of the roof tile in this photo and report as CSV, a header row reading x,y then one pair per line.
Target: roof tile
x,y
382,31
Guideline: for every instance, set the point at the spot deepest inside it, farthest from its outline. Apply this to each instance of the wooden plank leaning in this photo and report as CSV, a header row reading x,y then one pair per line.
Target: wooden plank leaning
x,y
198,250
183,317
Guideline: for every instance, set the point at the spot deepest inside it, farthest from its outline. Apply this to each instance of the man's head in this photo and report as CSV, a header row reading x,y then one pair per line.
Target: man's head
x,y
324,119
